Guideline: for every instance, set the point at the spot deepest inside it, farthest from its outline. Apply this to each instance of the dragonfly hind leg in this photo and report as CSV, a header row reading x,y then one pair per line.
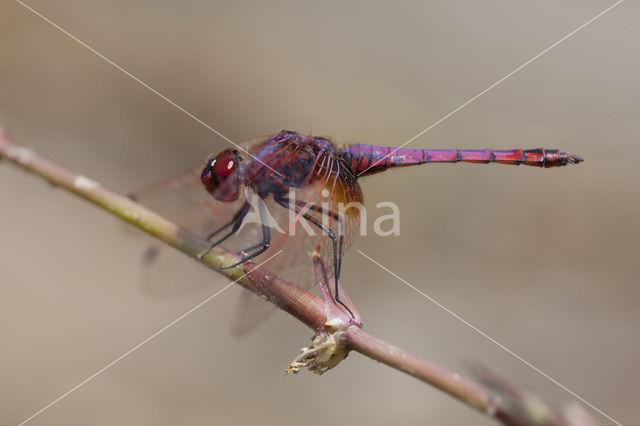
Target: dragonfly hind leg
x,y
337,259
341,230
262,246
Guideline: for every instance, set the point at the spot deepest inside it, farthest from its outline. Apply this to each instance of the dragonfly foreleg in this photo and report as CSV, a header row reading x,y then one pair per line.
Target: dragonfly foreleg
x,y
219,230
238,217
266,239
236,222
337,260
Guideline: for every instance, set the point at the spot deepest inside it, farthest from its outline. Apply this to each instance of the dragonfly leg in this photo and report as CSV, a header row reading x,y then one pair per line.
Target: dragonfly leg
x,y
340,220
212,234
237,217
332,235
236,222
222,228
266,238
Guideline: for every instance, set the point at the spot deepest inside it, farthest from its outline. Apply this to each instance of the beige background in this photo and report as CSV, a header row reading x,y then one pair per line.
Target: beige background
x,y
544,261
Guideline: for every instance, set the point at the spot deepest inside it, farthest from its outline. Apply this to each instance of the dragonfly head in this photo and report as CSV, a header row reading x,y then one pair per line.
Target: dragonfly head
x,y
220,176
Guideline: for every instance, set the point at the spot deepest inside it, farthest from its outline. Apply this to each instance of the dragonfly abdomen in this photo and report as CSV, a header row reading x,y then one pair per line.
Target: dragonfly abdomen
x,y
370,159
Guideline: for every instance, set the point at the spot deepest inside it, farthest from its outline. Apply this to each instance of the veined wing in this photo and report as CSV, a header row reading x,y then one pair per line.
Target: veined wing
x,y
167,273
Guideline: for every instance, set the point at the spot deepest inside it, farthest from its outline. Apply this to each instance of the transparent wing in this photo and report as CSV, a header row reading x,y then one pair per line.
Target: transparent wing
x,y
167,273
182,199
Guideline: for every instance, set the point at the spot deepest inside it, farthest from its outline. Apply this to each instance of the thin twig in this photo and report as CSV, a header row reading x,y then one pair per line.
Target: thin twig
x,y
300,303
393,356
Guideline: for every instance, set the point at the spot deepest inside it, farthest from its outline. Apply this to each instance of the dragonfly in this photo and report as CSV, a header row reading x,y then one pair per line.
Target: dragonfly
x,y
316,182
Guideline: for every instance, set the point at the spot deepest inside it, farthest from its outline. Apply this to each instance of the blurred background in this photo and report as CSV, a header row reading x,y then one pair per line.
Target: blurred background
x,y
544,261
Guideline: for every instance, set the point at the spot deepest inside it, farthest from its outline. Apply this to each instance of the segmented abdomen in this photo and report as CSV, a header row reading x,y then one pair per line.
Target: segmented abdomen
x,y
369,159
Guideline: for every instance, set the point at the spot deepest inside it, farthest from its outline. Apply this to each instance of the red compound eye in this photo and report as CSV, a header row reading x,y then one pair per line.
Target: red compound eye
x,y
220,176
224,165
